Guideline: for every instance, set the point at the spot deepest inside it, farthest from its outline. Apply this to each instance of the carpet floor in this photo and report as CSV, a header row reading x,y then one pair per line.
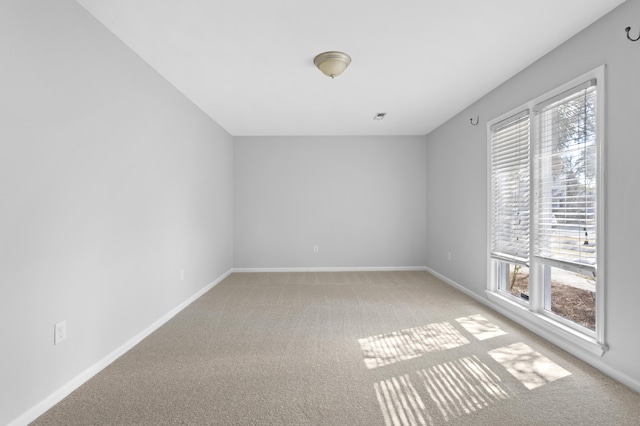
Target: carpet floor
x,y
344,348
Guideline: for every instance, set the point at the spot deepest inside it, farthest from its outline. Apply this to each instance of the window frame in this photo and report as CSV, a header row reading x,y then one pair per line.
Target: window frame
x,y
532,313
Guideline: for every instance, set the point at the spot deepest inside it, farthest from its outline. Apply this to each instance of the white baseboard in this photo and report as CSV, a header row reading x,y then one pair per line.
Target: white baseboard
x,y
574,350
57,396
334,269
456,285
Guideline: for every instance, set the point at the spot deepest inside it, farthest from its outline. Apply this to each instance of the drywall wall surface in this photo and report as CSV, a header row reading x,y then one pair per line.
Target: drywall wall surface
x,y
111,183
457,175
361,200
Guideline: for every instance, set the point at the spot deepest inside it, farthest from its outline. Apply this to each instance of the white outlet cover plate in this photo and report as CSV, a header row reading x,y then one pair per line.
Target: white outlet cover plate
x,y
60,332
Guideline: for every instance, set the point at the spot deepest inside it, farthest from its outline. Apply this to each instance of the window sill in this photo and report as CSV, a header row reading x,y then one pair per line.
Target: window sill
x,y
554,331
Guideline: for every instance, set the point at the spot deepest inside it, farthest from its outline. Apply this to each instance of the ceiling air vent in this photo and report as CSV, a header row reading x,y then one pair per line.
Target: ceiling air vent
x,y
379,116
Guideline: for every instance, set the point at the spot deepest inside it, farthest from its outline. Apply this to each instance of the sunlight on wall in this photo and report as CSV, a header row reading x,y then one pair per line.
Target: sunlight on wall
x,y
411,343
480,327
451,390
527,365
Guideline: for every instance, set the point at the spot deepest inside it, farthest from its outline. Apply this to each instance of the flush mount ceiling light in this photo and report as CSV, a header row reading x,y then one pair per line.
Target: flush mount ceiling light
x,y
332,63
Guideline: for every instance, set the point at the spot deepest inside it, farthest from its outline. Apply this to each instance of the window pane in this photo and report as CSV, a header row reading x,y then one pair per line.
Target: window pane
x,y
566,179
572,296
510,179
514,280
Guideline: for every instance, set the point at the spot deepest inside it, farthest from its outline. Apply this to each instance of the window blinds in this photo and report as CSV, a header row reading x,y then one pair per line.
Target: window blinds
x,y
510,189
565,179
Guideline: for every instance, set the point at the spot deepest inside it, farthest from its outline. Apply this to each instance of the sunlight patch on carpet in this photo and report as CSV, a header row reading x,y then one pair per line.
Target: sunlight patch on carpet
x,y
400,403
480,327
461,387
527,365
445,392
402,345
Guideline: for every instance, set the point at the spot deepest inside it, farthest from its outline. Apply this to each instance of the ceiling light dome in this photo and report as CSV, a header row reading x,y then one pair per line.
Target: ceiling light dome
x,y
332,63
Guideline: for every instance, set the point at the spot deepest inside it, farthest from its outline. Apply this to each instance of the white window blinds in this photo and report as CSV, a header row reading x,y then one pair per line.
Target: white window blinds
x,y
510,189
565,179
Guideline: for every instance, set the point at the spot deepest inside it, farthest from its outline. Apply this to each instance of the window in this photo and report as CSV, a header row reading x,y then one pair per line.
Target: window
x,y
546,210
510,209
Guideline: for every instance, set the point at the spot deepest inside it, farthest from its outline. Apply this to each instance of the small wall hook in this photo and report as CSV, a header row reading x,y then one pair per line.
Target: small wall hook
x,y
477,121
629,37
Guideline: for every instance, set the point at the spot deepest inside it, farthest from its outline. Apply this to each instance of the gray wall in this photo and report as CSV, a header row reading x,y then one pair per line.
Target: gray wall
x,y
457,175
360,199
110,183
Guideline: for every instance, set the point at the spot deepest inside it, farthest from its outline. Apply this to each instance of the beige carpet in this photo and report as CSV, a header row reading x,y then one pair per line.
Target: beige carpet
x,y
348,348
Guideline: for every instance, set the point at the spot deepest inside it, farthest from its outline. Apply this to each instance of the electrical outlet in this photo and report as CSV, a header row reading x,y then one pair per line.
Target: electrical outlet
x,y
315,249
181,274
59,332
449,256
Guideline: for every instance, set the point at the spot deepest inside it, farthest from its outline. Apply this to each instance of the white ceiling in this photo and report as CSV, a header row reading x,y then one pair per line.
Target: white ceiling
x,y
249,63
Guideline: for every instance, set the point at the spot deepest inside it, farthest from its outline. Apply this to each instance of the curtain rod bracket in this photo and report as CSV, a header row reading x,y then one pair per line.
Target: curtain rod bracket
x,y
477,121
629,37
